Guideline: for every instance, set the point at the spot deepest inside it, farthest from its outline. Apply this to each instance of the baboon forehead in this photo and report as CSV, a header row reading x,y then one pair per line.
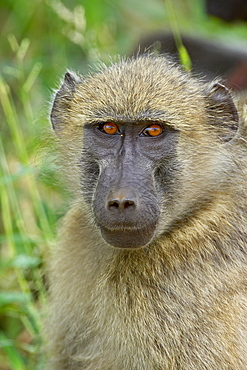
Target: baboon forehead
x,y
131,88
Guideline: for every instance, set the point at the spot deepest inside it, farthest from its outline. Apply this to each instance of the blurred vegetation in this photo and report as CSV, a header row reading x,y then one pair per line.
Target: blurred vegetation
x,y
39,40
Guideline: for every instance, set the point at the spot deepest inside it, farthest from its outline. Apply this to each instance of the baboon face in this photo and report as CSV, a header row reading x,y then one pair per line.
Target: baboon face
x,y
144,135
127,198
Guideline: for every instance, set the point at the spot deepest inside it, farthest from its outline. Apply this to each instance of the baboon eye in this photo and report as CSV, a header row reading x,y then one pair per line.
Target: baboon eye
x,y
108,128
152,130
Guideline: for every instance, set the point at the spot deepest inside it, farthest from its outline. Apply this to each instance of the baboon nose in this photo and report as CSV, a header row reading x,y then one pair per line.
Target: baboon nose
x,y
122,200
121,204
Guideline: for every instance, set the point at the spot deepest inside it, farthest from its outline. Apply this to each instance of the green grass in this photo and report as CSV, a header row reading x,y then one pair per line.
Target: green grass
x,y
26,225
39,40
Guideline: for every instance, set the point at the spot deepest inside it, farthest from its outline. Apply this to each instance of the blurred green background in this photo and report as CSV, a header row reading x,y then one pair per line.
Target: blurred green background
x,y
39,39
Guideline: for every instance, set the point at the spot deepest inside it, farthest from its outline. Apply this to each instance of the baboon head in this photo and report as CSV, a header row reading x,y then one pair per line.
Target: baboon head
x,y
146,142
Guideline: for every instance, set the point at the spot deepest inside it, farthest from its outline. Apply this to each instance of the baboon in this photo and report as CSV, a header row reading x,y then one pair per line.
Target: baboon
x,y
150,268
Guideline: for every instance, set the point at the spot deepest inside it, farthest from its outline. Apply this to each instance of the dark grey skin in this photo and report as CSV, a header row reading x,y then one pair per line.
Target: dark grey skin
x,y
127,198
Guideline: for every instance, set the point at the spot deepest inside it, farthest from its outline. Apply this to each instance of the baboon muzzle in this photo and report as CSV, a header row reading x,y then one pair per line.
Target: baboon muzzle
x,y
125,219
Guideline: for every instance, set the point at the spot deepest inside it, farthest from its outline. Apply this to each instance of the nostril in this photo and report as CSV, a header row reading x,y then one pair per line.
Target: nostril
x,y
128,204
113,204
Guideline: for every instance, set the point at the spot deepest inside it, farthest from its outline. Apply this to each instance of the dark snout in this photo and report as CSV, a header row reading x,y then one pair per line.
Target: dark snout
x,y
127,218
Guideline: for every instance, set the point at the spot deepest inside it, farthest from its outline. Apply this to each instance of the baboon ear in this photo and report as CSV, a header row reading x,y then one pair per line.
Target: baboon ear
x,y
63,98
222,110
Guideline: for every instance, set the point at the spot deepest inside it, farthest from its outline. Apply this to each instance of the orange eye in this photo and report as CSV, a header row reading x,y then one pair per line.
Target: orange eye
x,y
153,130
110,128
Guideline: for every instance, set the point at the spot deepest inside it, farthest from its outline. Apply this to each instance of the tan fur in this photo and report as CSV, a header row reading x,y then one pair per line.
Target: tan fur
x,y
179,303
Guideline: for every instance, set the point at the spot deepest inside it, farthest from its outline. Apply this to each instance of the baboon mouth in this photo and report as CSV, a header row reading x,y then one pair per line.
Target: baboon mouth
x,y
128,238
